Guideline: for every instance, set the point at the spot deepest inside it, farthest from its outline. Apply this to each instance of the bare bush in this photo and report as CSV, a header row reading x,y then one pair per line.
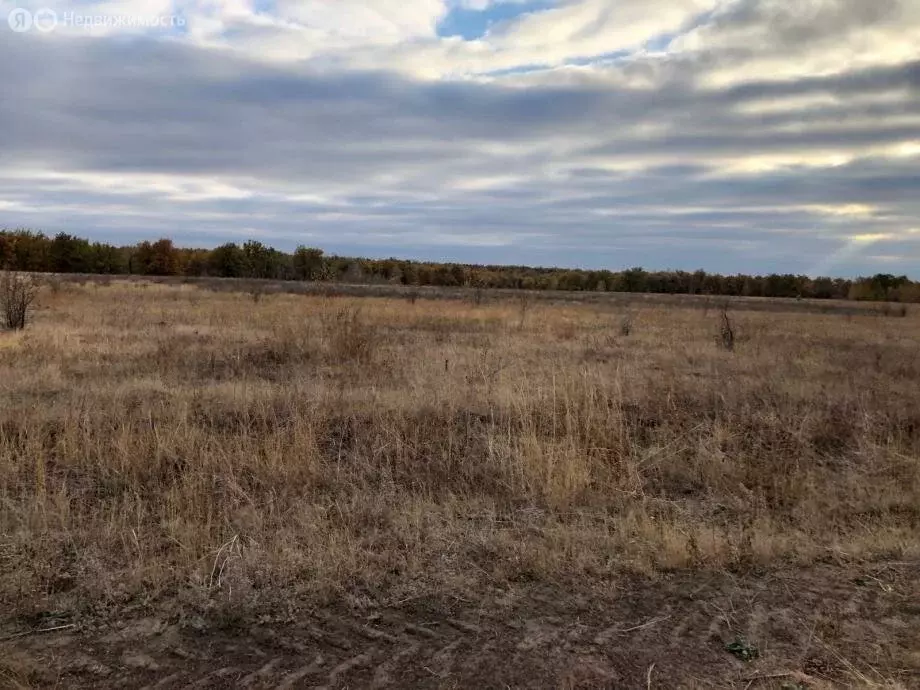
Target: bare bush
x,y
525,301
349,338
726,332
476,297
17,293
54,283
895,310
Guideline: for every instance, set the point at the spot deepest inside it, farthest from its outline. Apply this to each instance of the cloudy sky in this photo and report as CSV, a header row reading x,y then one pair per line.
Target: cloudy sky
x,y
729,135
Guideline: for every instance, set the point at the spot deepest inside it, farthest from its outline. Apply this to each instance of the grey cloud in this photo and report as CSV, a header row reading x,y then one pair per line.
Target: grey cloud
x,y
423,165
781,26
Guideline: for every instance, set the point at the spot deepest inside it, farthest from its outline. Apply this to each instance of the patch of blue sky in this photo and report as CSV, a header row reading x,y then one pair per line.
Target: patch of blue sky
x,y
264,6
519,69
471,24
540,67
603,57
661,42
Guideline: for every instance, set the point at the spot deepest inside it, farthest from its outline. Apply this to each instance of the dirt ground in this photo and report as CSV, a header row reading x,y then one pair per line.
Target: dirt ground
x,y
828,626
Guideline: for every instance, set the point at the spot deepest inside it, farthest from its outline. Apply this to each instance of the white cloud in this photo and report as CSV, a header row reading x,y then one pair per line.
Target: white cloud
x,y
763,125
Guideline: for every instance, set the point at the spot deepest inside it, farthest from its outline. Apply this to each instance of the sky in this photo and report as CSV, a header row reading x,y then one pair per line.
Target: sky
x,y
750,136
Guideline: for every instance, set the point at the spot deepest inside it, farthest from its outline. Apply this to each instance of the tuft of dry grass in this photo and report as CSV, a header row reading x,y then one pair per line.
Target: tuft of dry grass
x,y
169,440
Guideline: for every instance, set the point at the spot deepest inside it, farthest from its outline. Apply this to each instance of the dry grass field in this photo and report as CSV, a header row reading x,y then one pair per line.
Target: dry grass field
x,y
281,490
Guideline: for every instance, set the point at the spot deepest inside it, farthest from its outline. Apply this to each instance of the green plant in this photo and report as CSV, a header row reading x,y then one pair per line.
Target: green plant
x,y
742,649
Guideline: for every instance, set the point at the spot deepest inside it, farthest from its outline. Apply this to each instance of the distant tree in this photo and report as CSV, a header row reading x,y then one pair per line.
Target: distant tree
x,y
782,286
261,261
29,251
6,250
194,262
227,261
106,259
354,272
69,254
906,292
308,263
822,288
697,282
633,280
158,259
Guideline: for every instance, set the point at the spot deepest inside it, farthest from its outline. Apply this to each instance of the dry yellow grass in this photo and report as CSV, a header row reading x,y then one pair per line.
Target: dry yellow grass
x,y
170,441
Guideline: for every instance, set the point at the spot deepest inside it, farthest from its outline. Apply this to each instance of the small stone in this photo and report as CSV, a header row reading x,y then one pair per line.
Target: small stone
x,y
140,660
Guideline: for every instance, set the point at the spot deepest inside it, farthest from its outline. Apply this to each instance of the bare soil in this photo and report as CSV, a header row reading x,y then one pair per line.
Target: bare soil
x,y
832,625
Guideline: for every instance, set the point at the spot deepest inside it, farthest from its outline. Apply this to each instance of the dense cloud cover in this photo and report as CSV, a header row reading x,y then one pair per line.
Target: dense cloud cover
x,y
740,135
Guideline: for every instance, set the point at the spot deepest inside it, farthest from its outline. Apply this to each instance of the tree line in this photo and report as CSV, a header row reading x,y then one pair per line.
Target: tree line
x,y
27,250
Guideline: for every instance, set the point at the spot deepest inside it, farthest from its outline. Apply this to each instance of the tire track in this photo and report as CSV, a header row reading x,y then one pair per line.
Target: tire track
x,y
682,629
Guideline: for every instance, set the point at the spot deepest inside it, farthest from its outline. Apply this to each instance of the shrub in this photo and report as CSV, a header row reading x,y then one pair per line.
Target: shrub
x,y
726,332
17,293
349,337
525,301
54,283
476,298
